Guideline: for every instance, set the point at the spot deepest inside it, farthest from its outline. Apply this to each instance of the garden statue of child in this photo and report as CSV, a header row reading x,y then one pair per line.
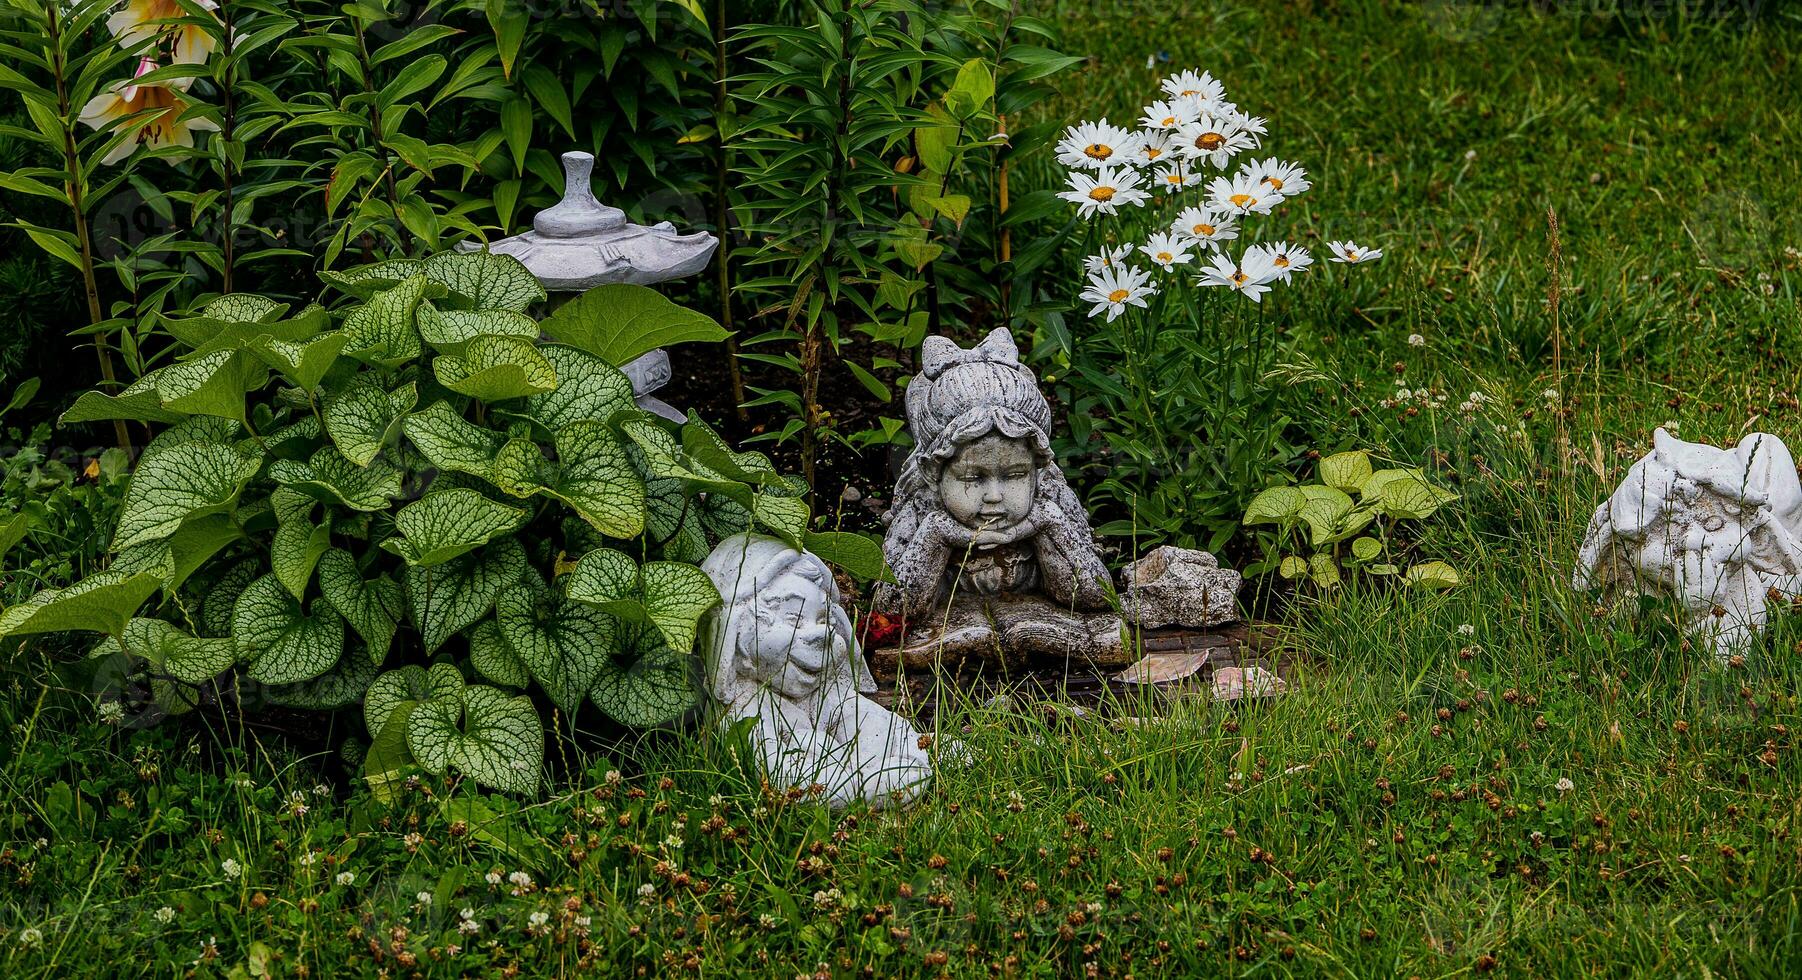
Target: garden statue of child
x,y
991,551
781,650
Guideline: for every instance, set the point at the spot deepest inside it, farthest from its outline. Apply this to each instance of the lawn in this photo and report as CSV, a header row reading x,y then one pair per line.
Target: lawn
x,y
1588,216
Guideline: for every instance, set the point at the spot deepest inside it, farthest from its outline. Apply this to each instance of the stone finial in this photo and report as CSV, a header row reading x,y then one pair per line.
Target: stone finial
x,y
780,650
580,243
1719,530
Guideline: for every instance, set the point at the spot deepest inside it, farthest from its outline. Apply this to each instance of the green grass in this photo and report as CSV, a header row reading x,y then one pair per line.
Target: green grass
x,y
1399,813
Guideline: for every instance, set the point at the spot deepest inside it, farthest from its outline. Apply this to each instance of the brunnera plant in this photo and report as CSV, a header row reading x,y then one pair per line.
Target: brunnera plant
x,y
429,503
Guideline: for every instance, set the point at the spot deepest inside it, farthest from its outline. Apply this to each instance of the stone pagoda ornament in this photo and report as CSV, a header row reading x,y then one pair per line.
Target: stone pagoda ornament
x,y
1719,530
780,649
580,243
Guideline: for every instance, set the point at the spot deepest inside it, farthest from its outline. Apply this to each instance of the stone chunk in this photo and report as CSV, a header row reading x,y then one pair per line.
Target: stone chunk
x,y
1178,587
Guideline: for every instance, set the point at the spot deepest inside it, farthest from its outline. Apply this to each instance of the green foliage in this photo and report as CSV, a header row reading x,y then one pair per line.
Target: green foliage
x,y
1323,531
368,514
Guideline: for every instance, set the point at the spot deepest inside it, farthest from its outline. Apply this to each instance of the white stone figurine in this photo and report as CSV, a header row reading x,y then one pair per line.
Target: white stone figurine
x,y
781,650
1720,530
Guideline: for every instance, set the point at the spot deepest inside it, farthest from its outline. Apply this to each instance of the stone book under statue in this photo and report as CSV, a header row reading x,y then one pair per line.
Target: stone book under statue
x,y
780,650
992,552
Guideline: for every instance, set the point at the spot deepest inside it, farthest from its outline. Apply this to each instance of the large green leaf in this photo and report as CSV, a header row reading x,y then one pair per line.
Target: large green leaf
x,y
183,553
493,369
619,322
283,642
1412,498
645,683
490,655
330,478
366,281
449,597
493,739
593,474
859,554
372,607
206,334
214,384
298,542
587,388
217,602
1276,505
1433,575
1346,471
447,523
561,641
451,442
139,402
411,683
171,651
364,418
668,595
342,686
175,483
103,602
382,331
485,281
704,446
304,363
386,764
449,330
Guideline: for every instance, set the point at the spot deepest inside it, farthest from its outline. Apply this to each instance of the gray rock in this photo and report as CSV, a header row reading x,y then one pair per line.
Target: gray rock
x,y
1178,587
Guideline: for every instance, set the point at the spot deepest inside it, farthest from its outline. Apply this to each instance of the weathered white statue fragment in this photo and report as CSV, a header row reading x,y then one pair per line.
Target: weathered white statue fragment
x,y
781,650
1720,530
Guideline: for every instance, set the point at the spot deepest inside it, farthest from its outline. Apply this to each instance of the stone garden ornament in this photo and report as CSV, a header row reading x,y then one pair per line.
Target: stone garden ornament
x,y
1719,530
781,650
580,243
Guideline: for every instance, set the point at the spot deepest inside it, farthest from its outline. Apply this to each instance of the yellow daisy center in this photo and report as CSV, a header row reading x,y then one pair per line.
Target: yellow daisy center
x,y
1102,194
1282,261
1242,200
1152,153
1169,120
1098,151
1190,91
1118,296
1166,257
1209,142
1202,230
1174,178
1276,183
1350,255
1240,278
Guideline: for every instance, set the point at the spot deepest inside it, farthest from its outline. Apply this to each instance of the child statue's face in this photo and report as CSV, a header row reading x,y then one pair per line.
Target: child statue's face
x,y
991,483
794,636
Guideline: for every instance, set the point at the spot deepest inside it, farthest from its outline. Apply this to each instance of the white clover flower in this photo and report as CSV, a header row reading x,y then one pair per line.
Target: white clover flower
x,y
613,777
716,801
1206,226
110,713
1465,629
423,898
31,937
1564,784
231,868
1416,340
1470,155
646,890
164,915
1352,253
1096,145
1105,191
1241,194
1287,179
767,921
1550,394
469,927
346,879
538,919
1167,250
1107,258
1250,276
584,921
492,877
308,859
1115,289
1286,259
673,842
321,789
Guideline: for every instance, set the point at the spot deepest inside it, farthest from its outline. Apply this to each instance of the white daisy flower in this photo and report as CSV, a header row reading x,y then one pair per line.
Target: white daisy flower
x,y
1255,125
1352,253
1163,116
1115,289
1214,139
1285,178
1206,226
1096,145
1167,250
1240,194
1251,275
1190,85
1105,190
1285,258
1106,258
1154,147
1173,178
